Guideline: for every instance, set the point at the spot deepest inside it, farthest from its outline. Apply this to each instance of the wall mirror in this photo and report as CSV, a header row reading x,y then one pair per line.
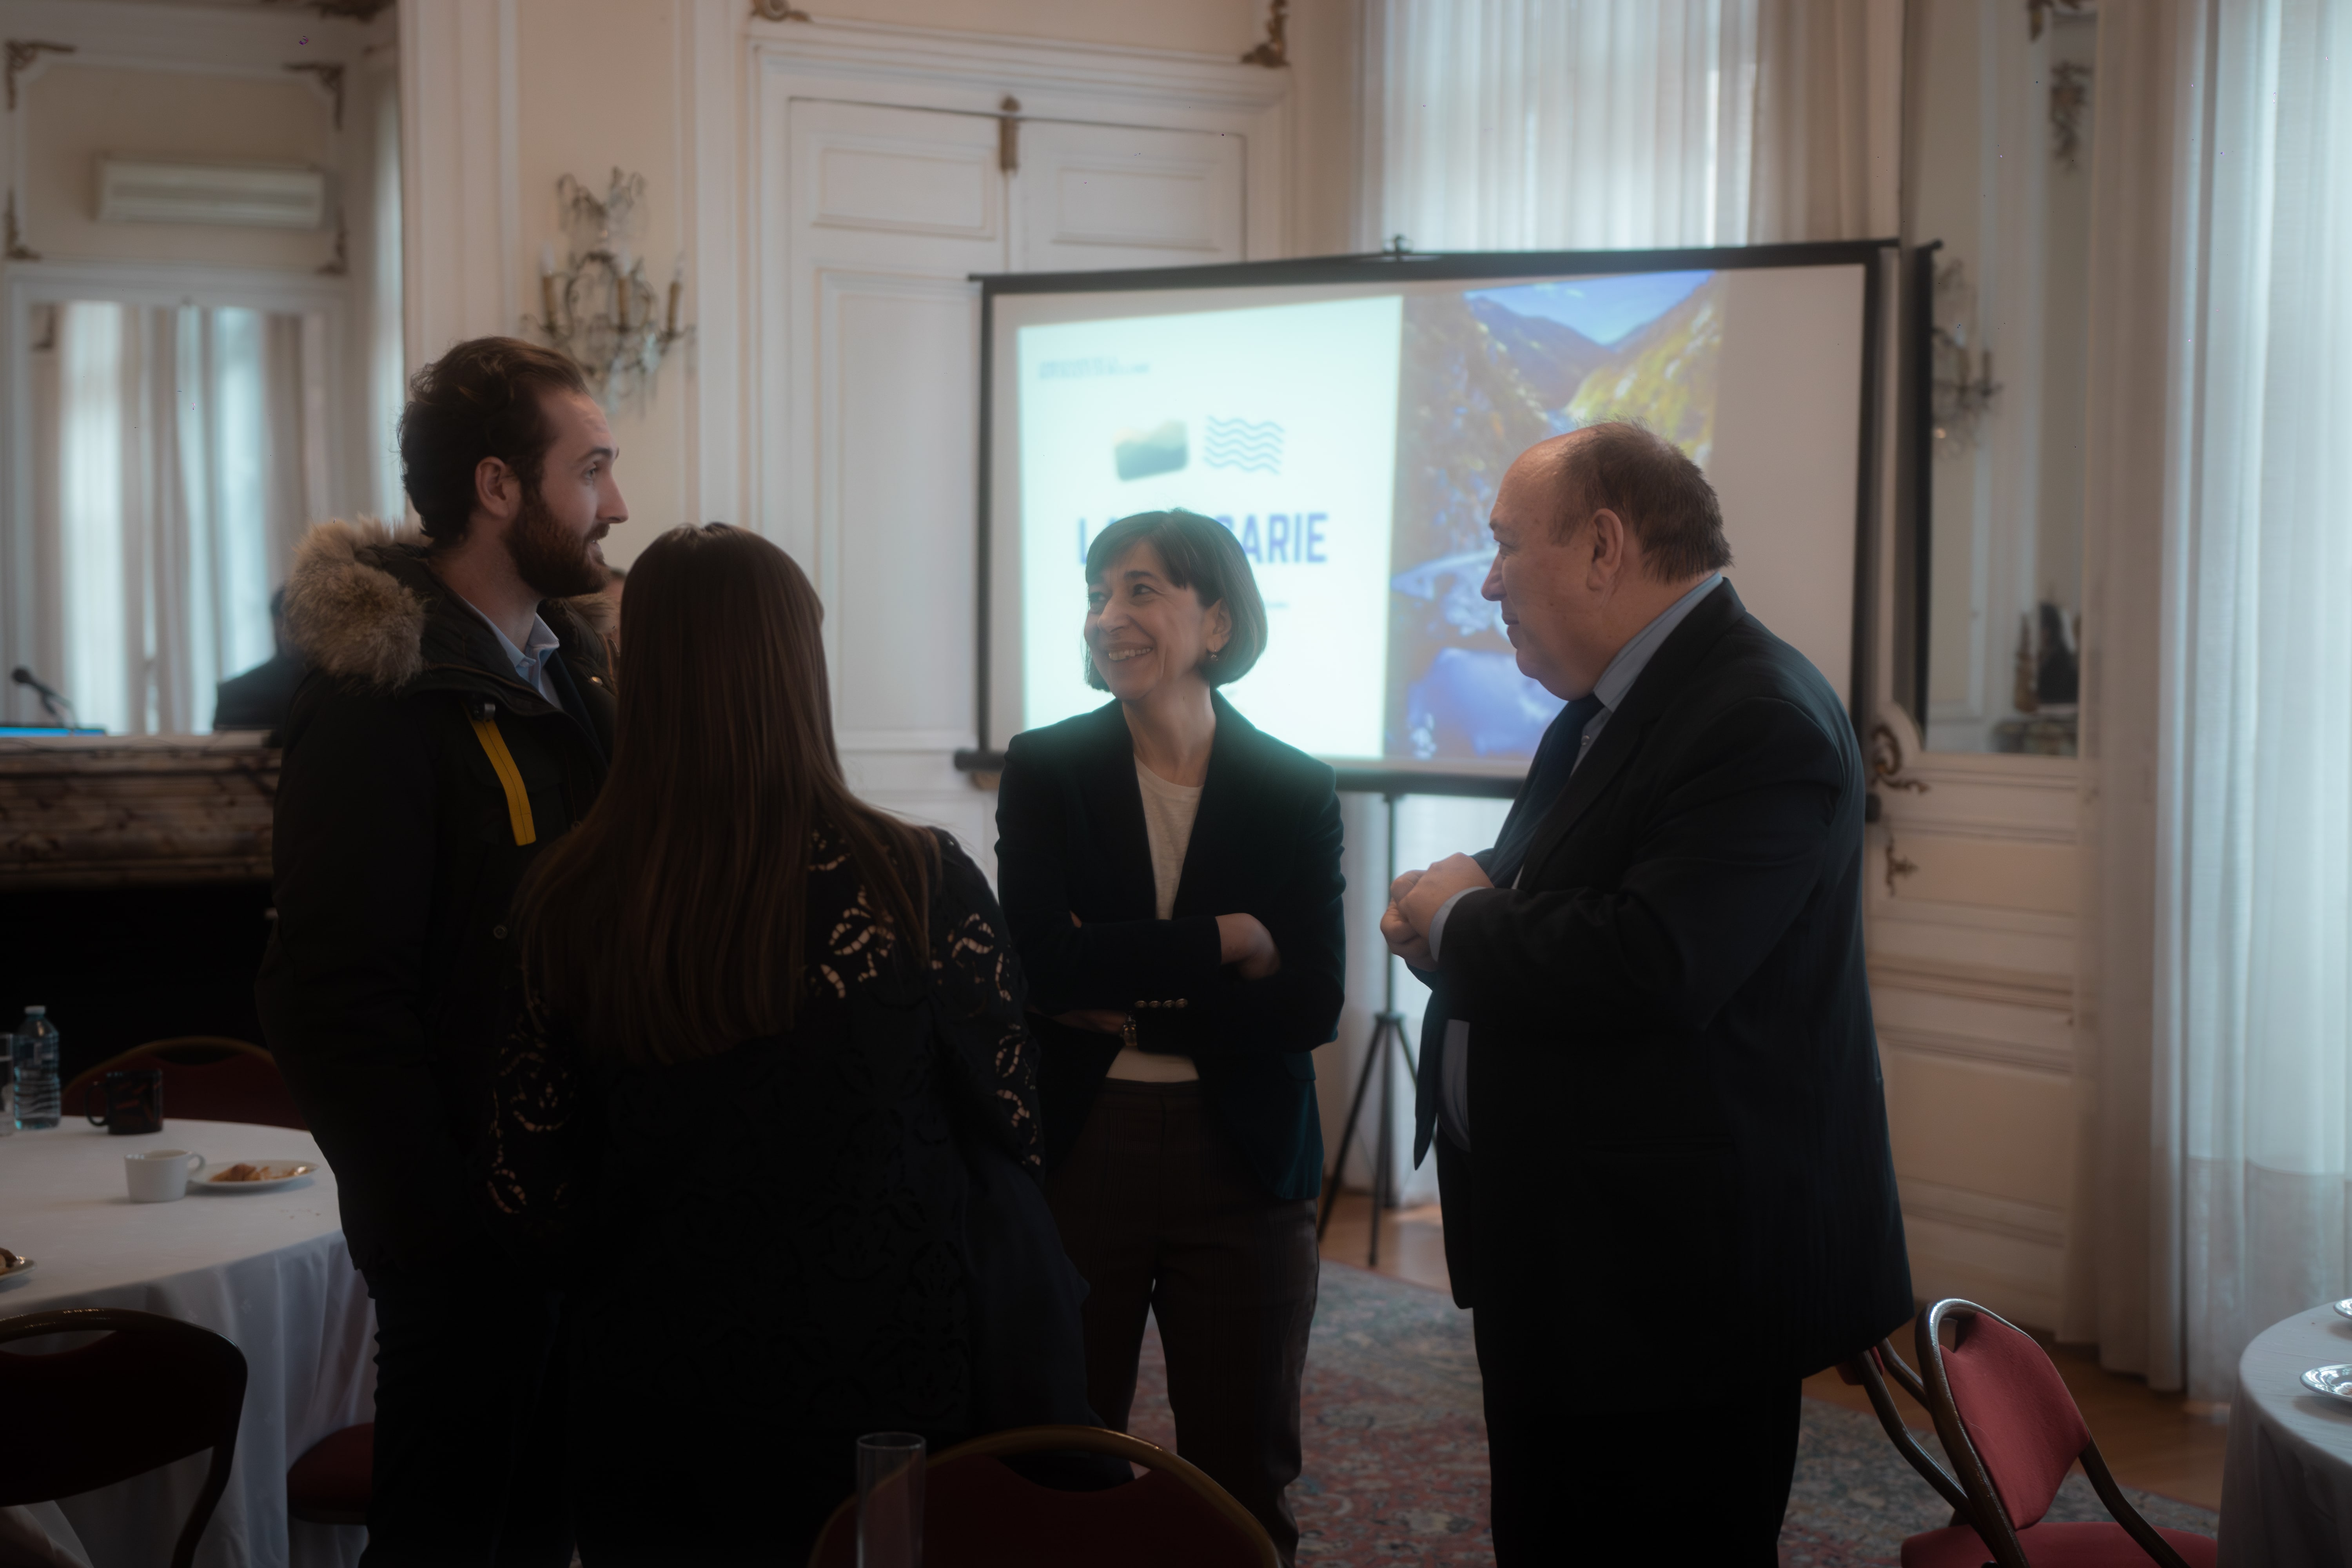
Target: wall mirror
x,y
203,342
1997,229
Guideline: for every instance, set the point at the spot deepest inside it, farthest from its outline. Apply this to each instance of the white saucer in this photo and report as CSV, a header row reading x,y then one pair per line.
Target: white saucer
x,y
2343,1308
294,1170
2335,1382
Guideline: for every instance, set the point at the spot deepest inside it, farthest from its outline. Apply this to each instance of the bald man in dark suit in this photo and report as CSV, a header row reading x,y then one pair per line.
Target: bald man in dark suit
x,y
1649,1068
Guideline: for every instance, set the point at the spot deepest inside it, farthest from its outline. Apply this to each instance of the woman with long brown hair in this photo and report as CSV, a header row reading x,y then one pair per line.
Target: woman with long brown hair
x,y
769,1106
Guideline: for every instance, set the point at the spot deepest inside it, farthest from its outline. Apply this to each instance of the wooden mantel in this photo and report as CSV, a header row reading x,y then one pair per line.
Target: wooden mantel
x,y
124,811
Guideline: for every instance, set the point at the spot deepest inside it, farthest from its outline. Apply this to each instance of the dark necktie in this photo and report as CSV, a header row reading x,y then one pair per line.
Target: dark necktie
x,y
1555,760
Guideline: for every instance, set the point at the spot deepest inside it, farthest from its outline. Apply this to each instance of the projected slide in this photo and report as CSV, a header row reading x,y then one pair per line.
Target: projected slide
x,y
1281,423
1352,440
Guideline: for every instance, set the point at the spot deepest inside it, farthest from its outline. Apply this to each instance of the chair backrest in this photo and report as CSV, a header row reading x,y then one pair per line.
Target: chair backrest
x,y
153,1391
2010,1408
975,1507
207,1078
2013,1431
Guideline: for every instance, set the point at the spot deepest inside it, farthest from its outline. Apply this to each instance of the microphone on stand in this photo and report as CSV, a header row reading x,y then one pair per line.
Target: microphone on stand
x,y
52,700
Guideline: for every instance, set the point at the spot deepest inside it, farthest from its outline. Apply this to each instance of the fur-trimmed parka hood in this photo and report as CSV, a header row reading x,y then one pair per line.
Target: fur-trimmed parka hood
x,y
360,604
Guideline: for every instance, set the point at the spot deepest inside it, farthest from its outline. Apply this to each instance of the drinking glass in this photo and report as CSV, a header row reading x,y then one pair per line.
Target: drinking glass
x,y
890,1500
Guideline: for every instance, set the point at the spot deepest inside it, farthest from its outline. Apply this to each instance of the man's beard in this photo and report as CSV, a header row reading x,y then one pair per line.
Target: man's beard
x,y
550,559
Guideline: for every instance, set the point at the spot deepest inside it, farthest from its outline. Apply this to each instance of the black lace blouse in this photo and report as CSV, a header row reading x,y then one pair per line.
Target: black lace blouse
x,y
804,1204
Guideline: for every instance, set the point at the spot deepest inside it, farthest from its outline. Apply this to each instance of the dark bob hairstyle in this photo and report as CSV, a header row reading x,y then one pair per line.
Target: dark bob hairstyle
x,y
1199,553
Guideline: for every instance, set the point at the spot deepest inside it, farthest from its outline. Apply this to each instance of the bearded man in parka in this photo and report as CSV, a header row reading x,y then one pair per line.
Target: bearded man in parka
x,y
456,718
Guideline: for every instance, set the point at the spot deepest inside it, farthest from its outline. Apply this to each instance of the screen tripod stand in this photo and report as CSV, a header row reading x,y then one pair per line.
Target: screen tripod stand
x,y
1388,1030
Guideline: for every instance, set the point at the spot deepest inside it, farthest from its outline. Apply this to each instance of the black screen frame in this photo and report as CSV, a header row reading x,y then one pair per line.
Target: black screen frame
x,y
1387,266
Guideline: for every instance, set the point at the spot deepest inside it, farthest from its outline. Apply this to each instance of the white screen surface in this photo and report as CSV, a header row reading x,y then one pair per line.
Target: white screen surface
x,y
1351,437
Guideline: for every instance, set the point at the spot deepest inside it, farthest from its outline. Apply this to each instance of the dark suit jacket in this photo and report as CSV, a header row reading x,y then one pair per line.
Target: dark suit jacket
x,y
1679,1127
261,697
1071,841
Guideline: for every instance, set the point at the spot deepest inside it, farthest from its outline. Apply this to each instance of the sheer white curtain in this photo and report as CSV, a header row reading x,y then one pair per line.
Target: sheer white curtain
x,y
2225,1208
190,446
1619,124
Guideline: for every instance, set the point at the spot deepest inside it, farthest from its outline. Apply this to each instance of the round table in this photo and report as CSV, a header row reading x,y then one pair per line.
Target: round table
x,y
2286,1483
267,1270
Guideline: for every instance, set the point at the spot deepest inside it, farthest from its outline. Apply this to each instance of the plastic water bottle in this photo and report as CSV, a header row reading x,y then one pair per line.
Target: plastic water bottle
x,y
35,1054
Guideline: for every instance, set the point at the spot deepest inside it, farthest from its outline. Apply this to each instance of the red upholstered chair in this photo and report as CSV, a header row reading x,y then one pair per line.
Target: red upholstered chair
x,y
331,1484
2013,1432
207,1078
153,1391
978,1513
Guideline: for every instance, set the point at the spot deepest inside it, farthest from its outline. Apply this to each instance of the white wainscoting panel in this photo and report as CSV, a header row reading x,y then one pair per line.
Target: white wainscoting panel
x,y
1972,901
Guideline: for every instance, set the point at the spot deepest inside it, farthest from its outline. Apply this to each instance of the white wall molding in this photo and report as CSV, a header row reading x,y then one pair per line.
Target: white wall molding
x,y
1985,982
1977,1049
218,38
459,135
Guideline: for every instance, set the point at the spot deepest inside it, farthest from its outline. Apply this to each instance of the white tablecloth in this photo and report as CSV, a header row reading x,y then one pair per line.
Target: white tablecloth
x,y
2286,1484
267,1271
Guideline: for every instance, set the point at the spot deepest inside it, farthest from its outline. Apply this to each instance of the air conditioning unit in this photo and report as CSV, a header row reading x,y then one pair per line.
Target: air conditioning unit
x,y
244,196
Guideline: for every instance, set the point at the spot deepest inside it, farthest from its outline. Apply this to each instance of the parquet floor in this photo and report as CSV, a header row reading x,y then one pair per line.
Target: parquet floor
x,y
2157,1442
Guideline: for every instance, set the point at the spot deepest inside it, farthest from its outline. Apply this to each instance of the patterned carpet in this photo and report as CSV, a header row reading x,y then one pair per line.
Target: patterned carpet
x,y
1396,1449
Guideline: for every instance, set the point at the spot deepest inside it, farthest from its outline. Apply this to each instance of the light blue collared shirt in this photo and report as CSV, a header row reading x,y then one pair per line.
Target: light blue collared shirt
x,y
1616,680
529,660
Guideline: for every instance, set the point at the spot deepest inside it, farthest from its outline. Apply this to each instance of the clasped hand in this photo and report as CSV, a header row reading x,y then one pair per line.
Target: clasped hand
x,y
1243,941
1414,899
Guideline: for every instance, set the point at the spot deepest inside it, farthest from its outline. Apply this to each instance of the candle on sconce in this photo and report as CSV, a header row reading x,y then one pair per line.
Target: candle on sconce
x,y
676,286
621,299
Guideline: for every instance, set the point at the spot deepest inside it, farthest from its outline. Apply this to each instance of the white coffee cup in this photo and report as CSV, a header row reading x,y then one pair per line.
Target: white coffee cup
x,y
160,1175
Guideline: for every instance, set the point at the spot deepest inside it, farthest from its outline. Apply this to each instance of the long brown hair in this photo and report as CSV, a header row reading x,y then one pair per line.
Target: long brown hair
x,y
672,923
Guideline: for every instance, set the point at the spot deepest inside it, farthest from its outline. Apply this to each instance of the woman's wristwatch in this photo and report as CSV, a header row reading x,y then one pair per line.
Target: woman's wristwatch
x,y
1126,1032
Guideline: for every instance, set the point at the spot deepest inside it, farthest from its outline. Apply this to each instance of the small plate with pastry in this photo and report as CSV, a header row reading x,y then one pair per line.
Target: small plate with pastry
x,y
253,1176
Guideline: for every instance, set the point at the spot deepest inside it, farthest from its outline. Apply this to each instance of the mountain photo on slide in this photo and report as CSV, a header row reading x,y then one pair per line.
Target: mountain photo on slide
x,y
1485,375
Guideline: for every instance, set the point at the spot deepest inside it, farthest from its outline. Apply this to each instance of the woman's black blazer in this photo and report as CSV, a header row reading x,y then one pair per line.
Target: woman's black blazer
x,y
1071,841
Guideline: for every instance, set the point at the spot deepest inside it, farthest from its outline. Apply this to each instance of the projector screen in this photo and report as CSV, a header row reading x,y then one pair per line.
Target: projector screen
x,y
1349,422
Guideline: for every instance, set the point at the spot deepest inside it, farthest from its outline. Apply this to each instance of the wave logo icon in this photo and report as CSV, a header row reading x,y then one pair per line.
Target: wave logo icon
x,y
1251,447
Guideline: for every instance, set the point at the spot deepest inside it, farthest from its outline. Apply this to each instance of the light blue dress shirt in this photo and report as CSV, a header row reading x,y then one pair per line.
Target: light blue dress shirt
x,y
529,660
1615,682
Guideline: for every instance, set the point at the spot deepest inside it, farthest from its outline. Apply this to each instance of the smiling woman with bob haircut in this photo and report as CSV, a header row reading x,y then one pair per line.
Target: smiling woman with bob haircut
x,y
1171,877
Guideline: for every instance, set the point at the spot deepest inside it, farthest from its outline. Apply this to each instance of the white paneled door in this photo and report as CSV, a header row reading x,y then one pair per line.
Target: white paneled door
x,y
1112,195
891,209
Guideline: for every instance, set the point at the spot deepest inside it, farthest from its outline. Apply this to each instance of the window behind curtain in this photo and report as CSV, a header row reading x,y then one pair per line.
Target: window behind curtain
x,y
189,450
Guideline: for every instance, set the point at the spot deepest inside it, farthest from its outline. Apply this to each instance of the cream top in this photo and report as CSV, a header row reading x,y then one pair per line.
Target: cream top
x,y
1168,813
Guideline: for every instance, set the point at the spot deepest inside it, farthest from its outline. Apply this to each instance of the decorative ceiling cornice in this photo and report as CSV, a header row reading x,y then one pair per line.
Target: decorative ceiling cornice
x,y
1274,53
21,53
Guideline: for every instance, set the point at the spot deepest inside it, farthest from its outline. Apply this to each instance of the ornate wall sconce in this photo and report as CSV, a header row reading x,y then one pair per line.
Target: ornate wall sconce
x,y
1961,399
598,306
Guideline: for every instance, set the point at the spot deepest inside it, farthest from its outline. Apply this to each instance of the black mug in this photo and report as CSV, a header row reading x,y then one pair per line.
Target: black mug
x,y
129,1102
